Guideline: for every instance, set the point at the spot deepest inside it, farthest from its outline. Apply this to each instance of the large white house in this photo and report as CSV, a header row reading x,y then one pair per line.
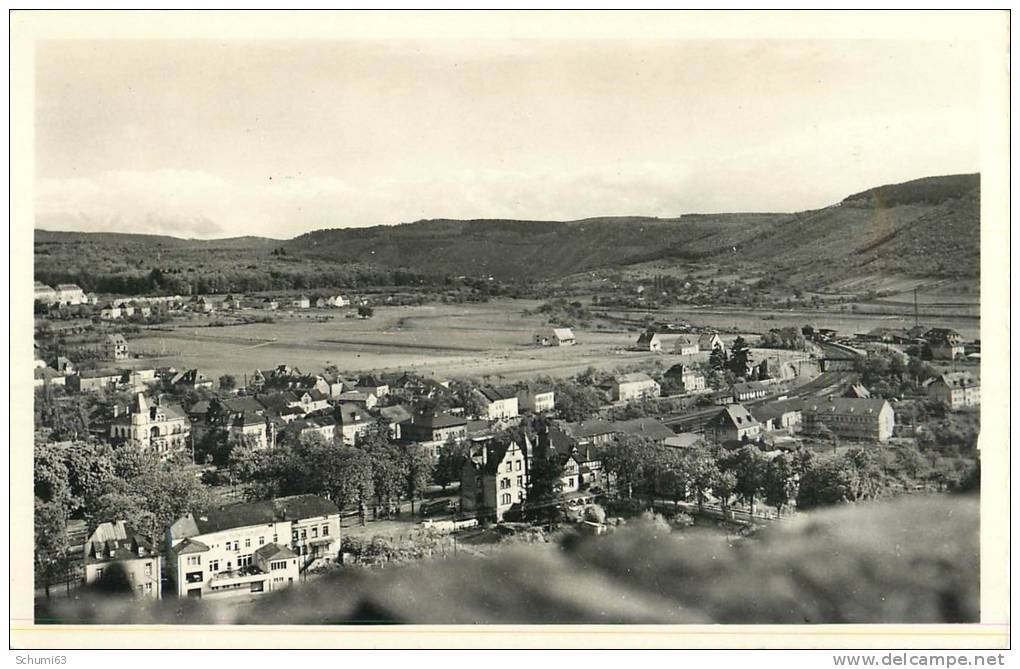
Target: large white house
x,y
250,548
163,428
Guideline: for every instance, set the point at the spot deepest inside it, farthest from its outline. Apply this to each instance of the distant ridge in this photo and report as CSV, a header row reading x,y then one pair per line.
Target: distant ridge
x,y
927,227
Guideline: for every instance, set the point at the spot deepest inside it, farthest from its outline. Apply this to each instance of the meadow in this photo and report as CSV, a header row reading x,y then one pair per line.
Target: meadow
x,y
492,340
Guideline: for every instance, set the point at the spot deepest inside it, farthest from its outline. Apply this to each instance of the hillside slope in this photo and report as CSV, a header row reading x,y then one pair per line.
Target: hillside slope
x,y
926,227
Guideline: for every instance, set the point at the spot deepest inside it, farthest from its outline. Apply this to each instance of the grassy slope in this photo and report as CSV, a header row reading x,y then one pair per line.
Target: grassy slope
x,y
928,227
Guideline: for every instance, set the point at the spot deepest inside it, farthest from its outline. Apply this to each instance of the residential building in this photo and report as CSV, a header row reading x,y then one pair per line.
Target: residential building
x,y
646,428
750,390
251,429
434,426
44,293
64,365
494,479
956,390
250,548
70,294
686,345
536,400
374,385
779,415
686,378
709,342
301,302
94,380
395,416
191,379
160,427
115,347
270,304
649,341
633,386
944,343
556,337
109,312
733,423
568,447
499,404
851,417
354,422
136,554
323,426
366,400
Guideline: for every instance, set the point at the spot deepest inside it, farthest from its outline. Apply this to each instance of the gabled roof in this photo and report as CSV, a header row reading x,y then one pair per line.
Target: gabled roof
x,y
243,404
706,339
733,415
437,420
353,414
495,394
274,552
957,380
396,413
645,427
563,333
647,337
246,514
686,341
190,546
773,410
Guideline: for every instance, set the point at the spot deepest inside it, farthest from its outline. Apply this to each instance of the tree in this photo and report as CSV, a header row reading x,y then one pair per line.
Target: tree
x,y
416,467
228,382
50,540
702,472
243,462
779,483
624,458
545,478
748,465
450,463
52,485
718,359
365,311
850,477
740,357
723,486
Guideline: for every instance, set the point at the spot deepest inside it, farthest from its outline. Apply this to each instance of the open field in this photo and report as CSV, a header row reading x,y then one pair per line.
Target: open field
x,y
479,340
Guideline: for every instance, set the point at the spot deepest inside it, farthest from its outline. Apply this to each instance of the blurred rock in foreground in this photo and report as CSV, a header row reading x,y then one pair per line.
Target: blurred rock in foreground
x,y
905,561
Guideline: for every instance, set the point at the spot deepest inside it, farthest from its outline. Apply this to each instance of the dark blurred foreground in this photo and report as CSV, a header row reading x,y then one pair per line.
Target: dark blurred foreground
x,y
907,561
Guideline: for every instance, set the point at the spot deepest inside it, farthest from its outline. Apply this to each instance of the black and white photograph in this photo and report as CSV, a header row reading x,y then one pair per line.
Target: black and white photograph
x,y
583,319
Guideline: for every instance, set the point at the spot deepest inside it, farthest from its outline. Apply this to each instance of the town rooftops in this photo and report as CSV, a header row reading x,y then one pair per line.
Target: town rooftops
x,y
100,373
590,428
396,413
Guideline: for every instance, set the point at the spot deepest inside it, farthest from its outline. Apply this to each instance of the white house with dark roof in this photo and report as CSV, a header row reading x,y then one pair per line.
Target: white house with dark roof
x,y
956,390
537,400
648,341
710,342
733,423
499,404
250,548
136,554
686,345
637,385
556,337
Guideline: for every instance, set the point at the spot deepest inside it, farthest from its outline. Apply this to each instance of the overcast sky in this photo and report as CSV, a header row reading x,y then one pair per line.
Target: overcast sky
x,y
219,139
